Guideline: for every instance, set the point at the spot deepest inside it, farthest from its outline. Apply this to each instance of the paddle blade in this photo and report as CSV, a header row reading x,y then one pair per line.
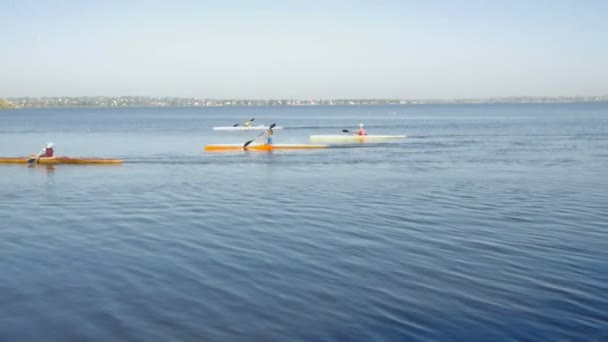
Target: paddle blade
x,y
34,159
345,131
250,120
272,126
247,143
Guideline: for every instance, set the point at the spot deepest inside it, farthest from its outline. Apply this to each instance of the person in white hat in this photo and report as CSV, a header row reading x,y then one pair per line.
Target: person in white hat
x,y
361,130
47,151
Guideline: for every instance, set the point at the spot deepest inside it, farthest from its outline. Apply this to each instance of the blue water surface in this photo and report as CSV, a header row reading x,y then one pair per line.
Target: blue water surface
x,y
488,222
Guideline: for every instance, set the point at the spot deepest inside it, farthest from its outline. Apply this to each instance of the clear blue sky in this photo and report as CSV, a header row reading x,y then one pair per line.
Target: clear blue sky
x,y
304,49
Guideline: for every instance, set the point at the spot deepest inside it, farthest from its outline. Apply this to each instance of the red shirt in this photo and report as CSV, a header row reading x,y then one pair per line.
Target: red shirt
x,y
362,131
48,152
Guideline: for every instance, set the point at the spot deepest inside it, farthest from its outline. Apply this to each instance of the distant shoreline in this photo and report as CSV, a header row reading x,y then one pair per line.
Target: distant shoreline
x,y
144,101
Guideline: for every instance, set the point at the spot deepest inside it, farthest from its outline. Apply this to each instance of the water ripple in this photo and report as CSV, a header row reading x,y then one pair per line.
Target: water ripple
x,y
480,226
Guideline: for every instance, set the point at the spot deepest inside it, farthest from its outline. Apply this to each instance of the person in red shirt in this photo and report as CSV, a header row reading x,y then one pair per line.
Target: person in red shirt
x,y
47,151
361,130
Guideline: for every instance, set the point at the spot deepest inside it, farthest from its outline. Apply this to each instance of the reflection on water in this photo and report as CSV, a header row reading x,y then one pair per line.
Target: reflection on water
x,y
43,168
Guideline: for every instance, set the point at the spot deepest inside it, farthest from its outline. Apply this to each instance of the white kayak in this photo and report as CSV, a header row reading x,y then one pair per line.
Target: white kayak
x,y
354,138
244,128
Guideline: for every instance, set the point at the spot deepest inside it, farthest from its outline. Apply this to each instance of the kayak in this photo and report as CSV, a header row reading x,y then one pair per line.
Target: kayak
x,y
244,128
260,147
346,138
59,160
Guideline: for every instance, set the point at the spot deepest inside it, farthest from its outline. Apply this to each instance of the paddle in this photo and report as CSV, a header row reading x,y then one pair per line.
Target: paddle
x,y
259,135
35,159
32,160
250,120
347,131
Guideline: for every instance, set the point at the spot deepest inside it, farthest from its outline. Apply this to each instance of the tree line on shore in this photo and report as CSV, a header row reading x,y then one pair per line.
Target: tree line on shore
x,y
146,101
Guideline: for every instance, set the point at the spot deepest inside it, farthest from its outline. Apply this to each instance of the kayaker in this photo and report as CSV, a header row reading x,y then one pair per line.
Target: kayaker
x,y
47,151
361,130
269,134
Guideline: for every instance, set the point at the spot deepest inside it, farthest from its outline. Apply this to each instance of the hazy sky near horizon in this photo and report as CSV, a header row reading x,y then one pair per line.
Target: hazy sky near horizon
x,y
304,49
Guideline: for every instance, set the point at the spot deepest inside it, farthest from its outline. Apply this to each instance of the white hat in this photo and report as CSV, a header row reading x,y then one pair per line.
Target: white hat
x,y
49,145
360,125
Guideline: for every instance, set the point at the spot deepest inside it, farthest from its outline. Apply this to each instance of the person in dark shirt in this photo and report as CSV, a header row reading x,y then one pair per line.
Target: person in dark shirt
x,y
47,151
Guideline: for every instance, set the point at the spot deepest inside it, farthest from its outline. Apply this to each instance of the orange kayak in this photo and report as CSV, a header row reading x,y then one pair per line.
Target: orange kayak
x,y
59,160
260,147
